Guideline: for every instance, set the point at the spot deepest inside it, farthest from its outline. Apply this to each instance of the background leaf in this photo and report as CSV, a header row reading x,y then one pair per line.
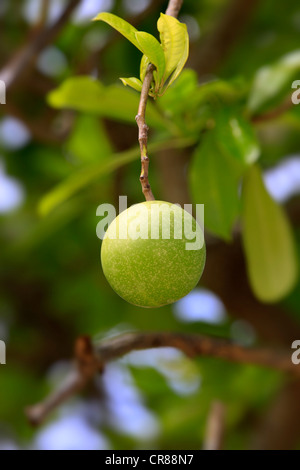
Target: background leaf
x,y
268,241
90,96
79,180
273,82
88,141
213,183
236,137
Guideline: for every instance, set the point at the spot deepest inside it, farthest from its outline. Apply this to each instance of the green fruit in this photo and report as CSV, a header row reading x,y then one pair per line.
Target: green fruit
x,y
148,271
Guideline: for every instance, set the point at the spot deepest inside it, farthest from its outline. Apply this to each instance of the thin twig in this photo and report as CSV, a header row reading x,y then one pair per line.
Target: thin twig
x,y
172,10
215,427
44,11
195,345
24,58
72,385
143,133
174,7
91,360
86,367
207,56
273,113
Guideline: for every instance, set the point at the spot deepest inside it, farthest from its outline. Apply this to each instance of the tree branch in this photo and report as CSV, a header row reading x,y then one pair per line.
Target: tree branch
x,y
15,70
194,345
143,133
172,10
91,359
273,113
215,427
86,367
174,7
220,41
43,16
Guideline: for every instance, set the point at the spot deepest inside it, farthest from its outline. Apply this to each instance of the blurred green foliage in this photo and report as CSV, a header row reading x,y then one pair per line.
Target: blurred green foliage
x,y
52,287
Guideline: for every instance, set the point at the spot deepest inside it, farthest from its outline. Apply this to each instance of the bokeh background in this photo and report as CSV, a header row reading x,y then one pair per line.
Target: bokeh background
x,y
52,288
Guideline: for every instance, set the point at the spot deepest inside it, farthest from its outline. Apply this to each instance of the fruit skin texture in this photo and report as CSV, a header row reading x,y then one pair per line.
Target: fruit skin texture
x,y
152,272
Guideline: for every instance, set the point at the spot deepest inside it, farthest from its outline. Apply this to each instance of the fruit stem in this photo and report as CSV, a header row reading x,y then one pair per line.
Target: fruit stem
x,y
174,7
143,133
172,10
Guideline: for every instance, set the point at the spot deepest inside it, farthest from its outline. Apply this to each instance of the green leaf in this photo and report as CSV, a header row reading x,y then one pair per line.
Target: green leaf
x,y
90,96
133,82
173,37
150,46
268,241
145,42
46,228
213,183
219,163
272,83
120,25
80,179
220,91
236,137
82,93
88,140
180,93
143,67
183,59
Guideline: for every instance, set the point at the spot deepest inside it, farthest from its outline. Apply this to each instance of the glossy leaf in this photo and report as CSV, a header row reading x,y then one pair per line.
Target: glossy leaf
x,y
268,241
213,183
145,42
273,82
151,48
183,59
120,25
133,82
173,37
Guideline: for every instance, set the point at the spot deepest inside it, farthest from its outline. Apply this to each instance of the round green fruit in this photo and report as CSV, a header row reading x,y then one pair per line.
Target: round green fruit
x,y
153,254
